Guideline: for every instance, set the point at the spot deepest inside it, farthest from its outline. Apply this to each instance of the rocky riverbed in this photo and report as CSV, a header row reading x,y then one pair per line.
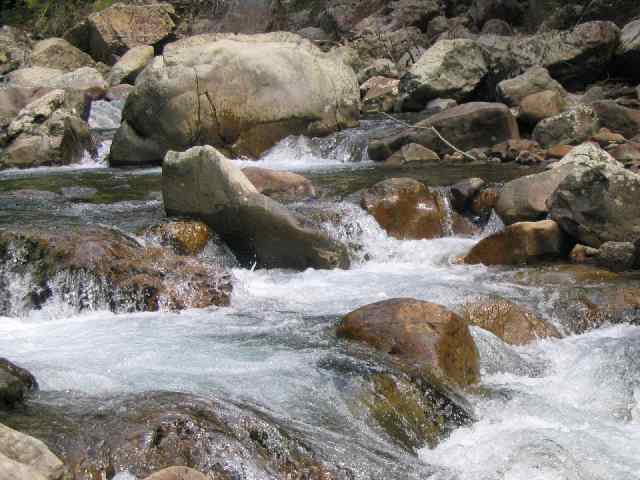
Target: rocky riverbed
x,y
320,240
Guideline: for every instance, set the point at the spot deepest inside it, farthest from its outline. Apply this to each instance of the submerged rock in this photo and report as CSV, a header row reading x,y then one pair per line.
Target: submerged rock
x,y
183,98
148,432
424,336
98,267
202,184
521,243
512,323
25,458
15,384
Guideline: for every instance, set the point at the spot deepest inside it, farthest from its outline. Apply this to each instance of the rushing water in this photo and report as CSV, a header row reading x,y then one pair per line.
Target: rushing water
x,y
557,409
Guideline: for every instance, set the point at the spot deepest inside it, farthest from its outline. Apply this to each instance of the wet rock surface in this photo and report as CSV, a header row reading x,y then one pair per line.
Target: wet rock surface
x,y
15,384
149,432
98,267
425,336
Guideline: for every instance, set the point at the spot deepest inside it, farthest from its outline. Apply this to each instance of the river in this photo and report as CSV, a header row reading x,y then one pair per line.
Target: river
x,y
565,409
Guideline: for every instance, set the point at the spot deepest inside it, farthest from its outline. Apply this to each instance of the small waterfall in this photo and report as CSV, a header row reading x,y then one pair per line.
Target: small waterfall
x,y
16,282
344,148
494,225
104,119
444,200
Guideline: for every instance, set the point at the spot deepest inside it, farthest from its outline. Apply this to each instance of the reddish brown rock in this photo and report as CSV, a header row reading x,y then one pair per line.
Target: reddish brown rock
x,y
423,335
521,243
559,151
539,106
405,208
278,184
512,323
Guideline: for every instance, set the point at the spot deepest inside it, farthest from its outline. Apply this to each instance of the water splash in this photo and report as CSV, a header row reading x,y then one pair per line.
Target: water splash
x,y
345,149
572,419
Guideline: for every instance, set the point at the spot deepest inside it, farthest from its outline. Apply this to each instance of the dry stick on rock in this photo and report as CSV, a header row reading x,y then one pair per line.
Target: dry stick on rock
x,y
434,130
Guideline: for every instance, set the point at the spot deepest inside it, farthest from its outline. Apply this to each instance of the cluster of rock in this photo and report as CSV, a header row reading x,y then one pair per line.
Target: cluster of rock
x,y
425,56
582,206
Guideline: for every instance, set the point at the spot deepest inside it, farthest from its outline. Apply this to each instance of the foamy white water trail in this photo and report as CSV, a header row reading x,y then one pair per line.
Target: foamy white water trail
x,y
560,410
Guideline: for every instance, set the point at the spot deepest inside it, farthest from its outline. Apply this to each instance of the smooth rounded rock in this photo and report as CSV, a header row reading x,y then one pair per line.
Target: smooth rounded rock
x,y
424,335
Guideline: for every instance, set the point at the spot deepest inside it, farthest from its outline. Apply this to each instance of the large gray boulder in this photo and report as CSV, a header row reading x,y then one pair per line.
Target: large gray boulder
x,y
281,85
201,183
525,198
598,204
449,69
467,126
25,458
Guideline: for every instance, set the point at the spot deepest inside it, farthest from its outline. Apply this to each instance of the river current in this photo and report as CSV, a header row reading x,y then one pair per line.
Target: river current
x,y
560,409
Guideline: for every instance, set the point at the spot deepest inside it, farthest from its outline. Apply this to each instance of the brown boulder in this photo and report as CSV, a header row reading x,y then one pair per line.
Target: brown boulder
x,y
108,34
283,186
424,335
59,54
626,153
411,155
618,118
521,243
512,323
405,208
539,106
467,126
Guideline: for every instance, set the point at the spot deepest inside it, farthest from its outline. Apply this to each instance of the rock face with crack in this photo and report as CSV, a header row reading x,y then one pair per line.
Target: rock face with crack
x,y
281,85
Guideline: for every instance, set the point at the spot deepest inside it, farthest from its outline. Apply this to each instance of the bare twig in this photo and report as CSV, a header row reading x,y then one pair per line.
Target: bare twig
x,y
434,130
